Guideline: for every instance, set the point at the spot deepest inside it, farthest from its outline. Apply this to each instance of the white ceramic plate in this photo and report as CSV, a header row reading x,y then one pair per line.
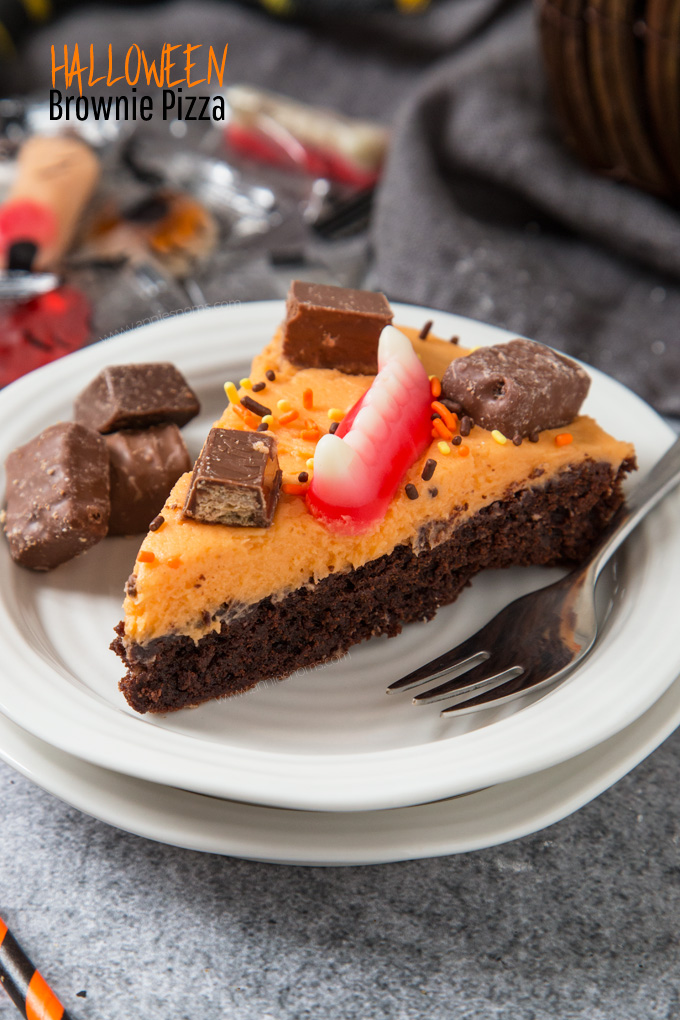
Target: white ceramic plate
x,y
329,739
458,825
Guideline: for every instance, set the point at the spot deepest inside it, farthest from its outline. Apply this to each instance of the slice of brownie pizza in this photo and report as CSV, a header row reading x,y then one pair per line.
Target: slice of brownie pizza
x,y
330,504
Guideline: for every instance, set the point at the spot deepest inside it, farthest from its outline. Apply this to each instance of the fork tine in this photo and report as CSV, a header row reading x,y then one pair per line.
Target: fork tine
x,y
498,695
518,686
474,684
464,656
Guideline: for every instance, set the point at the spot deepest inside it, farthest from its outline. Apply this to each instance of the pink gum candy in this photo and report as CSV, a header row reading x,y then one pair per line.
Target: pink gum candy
x,y
358,470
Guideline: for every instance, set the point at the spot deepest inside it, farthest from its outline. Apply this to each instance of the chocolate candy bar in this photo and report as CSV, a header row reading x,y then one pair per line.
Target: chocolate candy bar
x,y
145,464
334,327
519,388
236,479
57,496
135,397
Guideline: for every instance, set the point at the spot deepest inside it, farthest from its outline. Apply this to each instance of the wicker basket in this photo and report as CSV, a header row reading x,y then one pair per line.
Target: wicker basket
x,y
614,72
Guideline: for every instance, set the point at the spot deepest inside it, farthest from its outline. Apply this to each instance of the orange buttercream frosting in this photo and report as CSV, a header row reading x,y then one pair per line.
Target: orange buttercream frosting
x,y
187,570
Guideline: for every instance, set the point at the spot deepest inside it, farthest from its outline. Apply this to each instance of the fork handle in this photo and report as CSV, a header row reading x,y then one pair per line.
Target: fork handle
x,y
661,480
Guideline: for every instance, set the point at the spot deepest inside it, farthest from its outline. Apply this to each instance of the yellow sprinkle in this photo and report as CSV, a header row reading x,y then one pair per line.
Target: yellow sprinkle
x,y
499,437
246,384
310,463
284,405
444,448
335,414
231,392
268,419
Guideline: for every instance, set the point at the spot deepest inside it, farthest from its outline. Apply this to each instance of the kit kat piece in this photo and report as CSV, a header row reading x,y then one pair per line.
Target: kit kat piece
x,y
135,397
236,480
57,496
519,388
145,464
334,327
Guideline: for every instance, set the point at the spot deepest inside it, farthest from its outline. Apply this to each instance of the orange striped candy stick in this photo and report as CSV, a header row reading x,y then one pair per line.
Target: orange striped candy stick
x,y
25,985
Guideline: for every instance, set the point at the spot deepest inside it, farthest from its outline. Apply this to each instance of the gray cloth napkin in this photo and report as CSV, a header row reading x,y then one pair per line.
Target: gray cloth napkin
x,y
482,211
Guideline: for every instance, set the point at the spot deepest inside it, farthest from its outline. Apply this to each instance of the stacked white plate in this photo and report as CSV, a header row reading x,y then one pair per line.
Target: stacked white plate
x,y
324,768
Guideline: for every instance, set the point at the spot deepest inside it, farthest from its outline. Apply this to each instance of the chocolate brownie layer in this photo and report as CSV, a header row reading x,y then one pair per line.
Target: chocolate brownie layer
x,y
552,523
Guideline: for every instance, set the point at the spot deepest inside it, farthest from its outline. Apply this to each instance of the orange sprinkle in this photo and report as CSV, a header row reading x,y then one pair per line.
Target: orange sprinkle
x,y
174,562
563,439
145,557
245,414
293,489
288,417
463,451
311,435
308,400
435,387
441,430
448,417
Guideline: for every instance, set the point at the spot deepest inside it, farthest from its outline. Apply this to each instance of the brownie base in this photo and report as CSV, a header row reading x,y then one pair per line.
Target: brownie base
x,y
557,522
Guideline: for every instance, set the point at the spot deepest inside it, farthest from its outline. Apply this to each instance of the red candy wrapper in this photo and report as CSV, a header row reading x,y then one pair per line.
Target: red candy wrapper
x,y
35,332
321,143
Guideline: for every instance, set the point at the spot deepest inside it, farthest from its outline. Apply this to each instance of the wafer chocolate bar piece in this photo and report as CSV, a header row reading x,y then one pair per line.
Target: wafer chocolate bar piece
x,y
334,327
519,388
57,496
135,397
236,479
145,464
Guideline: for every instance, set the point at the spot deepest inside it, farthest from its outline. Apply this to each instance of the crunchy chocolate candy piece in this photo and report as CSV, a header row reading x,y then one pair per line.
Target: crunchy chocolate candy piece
x,y
519,388
334,327
145,464
236,479
135,397
57,496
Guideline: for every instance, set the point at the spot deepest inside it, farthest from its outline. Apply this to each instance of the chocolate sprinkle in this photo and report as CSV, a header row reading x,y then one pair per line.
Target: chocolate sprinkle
x,y
454,340
334,427
451,405
428,469
270,375
303,477
262,427
258,386
456,440
433,491
465,425
517,440
255,406
156,522
533,437
435,415
131,586
411,491
425,331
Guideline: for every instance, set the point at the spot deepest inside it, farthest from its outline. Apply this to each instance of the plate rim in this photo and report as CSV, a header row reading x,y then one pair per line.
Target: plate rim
x,y
255,791
155,819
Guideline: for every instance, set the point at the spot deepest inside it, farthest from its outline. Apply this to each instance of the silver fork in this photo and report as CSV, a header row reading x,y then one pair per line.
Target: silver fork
x,y
536,641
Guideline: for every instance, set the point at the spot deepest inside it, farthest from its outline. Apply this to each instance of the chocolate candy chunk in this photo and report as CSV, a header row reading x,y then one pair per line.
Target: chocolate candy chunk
x,y
135,397
236,479
519,388
334,327
57,496
145,464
